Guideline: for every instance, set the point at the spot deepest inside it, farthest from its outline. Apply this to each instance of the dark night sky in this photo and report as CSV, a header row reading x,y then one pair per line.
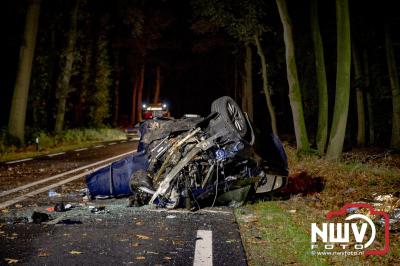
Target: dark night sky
x,y
191,79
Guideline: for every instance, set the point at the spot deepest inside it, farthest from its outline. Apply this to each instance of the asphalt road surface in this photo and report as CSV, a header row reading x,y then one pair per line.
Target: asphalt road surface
x,y
117,235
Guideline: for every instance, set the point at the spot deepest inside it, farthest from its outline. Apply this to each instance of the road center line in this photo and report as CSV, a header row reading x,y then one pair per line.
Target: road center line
x,y
203,250
18,161
55,154
44,189
4,193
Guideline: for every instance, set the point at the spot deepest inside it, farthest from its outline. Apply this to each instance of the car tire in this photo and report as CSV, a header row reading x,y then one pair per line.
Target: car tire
x,y
231,115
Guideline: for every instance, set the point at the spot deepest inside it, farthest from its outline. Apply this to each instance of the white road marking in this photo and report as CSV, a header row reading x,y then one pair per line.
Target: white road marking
x,y
112,143
134,139
4,193
203,251
98,146
55,154
82,149
18,161
44,189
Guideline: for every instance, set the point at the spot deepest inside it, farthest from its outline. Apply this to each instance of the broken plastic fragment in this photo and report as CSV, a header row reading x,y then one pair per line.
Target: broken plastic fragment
x,y
39,217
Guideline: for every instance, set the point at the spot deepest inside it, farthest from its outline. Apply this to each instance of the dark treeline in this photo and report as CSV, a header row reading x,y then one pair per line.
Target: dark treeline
x,y
322,71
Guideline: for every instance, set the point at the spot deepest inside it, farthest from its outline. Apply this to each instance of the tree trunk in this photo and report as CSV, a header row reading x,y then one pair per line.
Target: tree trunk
x,y
235,78
247,97
371,131
16,124
359,98
341,108
116,88
294,86
87,77
157,87
116,102
66,73
265,85
322,129
394,84
140,93
134,100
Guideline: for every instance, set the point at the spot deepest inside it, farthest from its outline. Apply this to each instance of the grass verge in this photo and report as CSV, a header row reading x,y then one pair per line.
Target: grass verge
x,y
278,232
272,238
68,140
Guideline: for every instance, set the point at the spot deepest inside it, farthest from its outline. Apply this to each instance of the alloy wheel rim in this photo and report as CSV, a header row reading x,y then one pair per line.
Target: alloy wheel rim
x,y
235,116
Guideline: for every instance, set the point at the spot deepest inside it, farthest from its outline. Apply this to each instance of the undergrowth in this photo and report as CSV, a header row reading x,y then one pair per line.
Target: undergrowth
x,y
48,141
346,181
277,232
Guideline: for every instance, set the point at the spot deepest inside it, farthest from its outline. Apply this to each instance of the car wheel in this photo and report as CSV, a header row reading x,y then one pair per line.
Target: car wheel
x,y
231,115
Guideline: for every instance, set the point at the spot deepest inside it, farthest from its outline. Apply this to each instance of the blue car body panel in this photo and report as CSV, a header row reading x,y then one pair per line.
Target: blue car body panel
x,y
113,180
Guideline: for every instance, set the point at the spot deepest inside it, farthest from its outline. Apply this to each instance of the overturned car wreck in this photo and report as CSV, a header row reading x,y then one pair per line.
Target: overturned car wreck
x,y
194,162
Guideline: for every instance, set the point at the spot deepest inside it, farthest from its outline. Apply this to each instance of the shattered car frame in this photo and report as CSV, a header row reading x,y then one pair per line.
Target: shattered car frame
x,y
194,162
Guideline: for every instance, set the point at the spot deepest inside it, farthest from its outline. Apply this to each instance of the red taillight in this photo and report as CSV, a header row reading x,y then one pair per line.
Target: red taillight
x,y
148,115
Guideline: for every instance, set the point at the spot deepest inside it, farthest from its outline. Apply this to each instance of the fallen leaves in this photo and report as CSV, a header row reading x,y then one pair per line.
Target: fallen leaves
x,y
140,258
250,218
143,237
75,252
11,261
177,242
43,253
151,252
13,236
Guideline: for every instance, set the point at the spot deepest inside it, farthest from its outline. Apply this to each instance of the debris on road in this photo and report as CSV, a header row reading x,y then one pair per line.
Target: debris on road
x,y
39,217
59,207
194,162
98,210
21,220
53,193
